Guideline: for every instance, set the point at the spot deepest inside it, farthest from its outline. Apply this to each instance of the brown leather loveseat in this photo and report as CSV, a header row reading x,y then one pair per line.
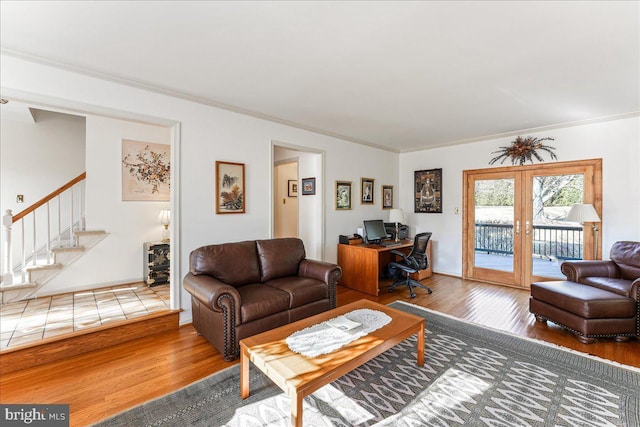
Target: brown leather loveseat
x,y
243,288
598,299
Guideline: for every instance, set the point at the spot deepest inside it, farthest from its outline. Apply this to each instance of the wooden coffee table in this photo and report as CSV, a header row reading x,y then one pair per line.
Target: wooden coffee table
x,y
299,376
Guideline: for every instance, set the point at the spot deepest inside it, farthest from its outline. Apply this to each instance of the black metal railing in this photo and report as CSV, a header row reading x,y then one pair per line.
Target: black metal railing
x,y
549,241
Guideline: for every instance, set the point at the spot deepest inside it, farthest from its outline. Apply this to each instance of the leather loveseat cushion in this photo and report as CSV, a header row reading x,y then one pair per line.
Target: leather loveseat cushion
x,y
260,301
301,290
618,286
232,263
583,300
279,257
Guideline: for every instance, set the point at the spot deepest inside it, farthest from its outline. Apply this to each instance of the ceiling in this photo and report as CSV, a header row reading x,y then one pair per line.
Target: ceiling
x,y
399,75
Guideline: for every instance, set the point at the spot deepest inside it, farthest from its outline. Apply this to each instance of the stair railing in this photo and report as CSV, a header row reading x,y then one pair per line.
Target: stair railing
x,y
64,201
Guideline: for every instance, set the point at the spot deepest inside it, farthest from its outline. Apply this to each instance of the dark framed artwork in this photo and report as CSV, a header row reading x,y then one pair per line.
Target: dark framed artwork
x,y
428,191
387,197
343,195
366,191
292,190
308,186
230,197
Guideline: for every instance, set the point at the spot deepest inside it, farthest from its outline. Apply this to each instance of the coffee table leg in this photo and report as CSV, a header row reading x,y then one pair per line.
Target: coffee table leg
x,y
244,372
296,410
421,344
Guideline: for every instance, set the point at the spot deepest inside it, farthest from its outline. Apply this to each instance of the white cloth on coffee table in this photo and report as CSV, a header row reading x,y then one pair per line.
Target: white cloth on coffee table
x,y
323,338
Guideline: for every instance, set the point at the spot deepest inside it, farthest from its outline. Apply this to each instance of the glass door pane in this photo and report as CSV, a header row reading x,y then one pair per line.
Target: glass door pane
x,y
553,239
494,213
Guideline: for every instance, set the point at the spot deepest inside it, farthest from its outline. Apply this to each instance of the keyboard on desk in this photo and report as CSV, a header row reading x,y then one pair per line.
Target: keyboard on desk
x,y
391,243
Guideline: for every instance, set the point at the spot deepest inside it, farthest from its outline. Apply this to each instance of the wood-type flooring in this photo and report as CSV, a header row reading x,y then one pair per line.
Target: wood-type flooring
x,y
105,382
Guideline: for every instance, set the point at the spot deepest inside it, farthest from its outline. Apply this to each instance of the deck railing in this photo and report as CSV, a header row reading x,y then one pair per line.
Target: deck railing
x,y
549,241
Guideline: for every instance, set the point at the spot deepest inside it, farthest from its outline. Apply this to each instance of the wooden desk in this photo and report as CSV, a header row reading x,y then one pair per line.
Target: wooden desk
x,y
362,265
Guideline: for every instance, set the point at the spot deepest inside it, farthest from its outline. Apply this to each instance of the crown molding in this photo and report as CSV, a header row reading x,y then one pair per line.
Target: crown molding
x,y
162,90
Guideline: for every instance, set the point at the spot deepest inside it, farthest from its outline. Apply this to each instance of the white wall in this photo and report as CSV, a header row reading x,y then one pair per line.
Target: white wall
x,y
118,258
616,142
38,158
209,134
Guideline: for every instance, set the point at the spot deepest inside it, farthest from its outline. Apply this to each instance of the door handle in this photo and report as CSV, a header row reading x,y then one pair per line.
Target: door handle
x,y
517,227
527,228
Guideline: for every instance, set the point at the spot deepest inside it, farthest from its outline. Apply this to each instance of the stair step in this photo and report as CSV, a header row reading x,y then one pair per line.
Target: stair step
x,y
60,249
40,267
89,232
16,286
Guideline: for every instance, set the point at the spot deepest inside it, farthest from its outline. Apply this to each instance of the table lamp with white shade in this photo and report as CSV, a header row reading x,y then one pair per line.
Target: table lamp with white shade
x,y
397,216
585,212
164,218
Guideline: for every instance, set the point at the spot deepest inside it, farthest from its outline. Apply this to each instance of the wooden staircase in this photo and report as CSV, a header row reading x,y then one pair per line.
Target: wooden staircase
x,y
44,245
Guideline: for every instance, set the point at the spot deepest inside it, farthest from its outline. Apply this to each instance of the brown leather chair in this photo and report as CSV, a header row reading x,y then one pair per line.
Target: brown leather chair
x,y
243,288
598,299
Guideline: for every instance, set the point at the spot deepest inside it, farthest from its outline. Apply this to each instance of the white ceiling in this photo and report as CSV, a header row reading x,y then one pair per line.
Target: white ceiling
x,y
401,75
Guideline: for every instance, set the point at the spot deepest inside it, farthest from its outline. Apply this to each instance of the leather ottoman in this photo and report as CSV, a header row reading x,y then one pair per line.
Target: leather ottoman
x,y
586,311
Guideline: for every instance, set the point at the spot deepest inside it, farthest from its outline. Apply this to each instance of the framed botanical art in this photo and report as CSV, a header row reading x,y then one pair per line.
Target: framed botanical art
x,y
230,197
387,197
343,195
308,186
428,191
366,191
292,190
146,171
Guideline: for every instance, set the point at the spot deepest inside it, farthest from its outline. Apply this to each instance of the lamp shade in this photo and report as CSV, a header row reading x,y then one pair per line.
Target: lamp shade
x,y
396,215
164,217
581,213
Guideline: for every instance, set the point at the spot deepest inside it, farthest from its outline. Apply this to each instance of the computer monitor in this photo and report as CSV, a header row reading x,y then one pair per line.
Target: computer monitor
x,y
375,231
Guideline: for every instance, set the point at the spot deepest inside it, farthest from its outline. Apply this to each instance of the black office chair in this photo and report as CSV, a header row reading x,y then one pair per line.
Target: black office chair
x,y
415,261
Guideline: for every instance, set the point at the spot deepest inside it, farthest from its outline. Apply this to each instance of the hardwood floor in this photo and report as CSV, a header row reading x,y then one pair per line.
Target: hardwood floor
x,y
111,380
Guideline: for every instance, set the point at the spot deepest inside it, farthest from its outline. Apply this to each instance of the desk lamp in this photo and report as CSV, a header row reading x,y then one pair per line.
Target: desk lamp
x,y
164,218
397,216
585,212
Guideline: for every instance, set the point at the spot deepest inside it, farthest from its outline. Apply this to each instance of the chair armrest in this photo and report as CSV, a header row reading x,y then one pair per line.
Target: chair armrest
x,y
208,290
400,254
324,271
575,270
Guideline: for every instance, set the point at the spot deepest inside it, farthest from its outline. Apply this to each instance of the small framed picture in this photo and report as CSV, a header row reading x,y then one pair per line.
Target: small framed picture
x,y
230,188
387,197
293,188
343,195
366,190
308,186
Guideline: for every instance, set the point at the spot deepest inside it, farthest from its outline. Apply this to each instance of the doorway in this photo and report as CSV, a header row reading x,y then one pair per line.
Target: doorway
x,y
515,231
296,212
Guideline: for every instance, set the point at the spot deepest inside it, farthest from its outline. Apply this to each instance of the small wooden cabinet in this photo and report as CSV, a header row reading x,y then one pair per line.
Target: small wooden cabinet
x,y
156,263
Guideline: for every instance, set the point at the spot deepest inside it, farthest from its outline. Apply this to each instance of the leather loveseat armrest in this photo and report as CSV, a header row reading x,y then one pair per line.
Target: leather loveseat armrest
x,y
575,270
208,290
324,271
635,294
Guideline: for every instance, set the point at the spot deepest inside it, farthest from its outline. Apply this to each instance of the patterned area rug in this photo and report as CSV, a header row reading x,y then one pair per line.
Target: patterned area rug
x,y
473,376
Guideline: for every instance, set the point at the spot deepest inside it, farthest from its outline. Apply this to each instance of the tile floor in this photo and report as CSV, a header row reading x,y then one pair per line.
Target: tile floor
x,y
27,321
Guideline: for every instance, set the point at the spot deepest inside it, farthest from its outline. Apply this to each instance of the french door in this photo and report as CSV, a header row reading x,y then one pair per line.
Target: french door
x,y
514,228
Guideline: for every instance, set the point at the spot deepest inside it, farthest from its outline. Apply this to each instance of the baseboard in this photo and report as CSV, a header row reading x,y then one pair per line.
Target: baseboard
x,y
75,343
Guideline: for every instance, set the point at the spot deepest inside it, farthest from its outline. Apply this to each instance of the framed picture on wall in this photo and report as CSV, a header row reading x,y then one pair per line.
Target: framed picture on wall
x,y
292,190
428,191
146,171
366,191
230,197
308,186
387,197
343,195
